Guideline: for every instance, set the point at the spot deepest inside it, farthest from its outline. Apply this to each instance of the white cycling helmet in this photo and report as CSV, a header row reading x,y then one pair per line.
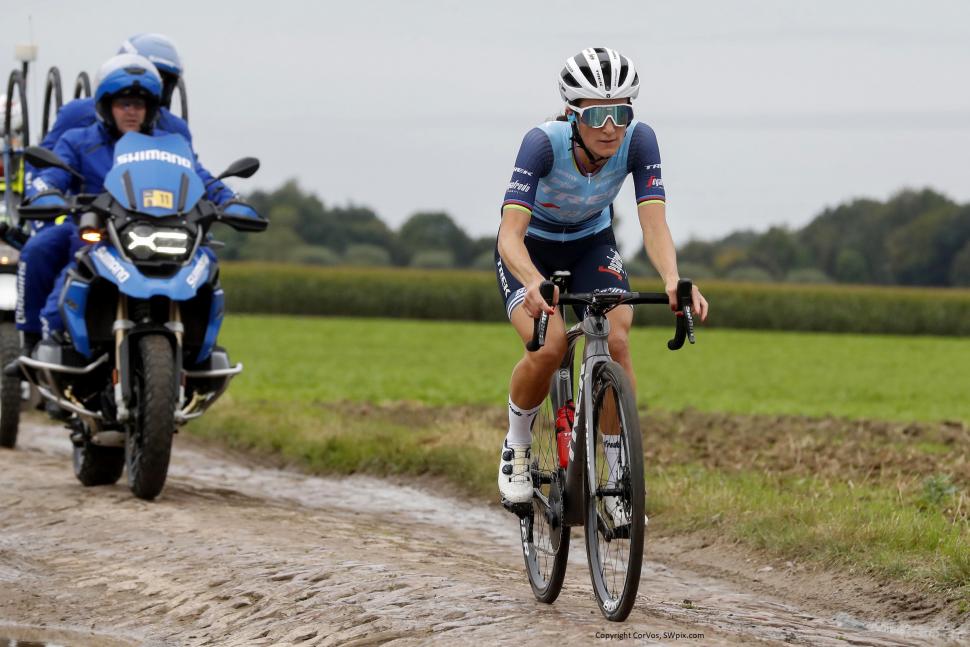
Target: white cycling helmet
x,y
598,73
16,115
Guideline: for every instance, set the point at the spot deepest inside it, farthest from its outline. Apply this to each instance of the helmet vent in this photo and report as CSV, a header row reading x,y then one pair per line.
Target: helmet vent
x,y
569,80
584,68
624,70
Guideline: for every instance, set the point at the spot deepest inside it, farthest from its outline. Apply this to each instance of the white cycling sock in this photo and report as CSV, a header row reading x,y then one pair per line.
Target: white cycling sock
x,y
611,447
520,424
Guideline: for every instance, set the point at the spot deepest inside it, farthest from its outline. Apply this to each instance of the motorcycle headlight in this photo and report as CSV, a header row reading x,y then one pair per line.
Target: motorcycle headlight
x,y
8,255
144,242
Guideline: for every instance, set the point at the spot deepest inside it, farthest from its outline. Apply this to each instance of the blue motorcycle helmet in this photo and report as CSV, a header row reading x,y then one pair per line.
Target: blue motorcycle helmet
x,y
160,50
127,75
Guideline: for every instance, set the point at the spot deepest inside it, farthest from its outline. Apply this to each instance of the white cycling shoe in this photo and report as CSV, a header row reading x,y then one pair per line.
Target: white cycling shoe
x,y
617,511
514,476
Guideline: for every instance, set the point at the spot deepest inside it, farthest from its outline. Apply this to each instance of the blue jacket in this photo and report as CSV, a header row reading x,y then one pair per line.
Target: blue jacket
x,y
80,113
90,152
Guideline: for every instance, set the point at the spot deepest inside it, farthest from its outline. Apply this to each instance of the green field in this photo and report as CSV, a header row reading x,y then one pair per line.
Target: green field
x,y
450,363
741,443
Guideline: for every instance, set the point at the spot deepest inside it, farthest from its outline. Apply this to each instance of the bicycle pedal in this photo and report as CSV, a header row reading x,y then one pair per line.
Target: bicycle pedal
x,y
518,509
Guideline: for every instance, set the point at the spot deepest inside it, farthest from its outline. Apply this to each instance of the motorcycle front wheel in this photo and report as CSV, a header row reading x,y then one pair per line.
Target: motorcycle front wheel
x,y
148,446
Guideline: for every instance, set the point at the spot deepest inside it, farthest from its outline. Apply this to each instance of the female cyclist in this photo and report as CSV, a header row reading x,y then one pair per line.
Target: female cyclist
x,y
557,215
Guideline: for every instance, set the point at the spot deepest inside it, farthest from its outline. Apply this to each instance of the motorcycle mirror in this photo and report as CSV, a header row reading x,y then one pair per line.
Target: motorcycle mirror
x,y
43,158
244,167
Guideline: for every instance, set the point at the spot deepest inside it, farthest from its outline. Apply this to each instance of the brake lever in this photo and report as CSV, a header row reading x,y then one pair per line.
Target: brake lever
x,y
689,316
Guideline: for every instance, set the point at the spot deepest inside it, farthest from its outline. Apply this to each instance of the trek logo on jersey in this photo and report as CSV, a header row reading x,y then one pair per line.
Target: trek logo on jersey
x,y
157,198
515,185
614,267
522,171
112,264
153,155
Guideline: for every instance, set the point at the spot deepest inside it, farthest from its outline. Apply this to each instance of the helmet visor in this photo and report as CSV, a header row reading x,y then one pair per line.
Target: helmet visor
x,y
596,116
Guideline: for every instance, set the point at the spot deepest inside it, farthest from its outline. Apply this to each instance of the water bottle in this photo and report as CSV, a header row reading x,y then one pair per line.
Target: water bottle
x,y
564,431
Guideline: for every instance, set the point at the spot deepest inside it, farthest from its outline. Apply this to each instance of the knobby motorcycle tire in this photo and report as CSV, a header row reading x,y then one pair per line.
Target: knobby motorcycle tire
x,y
148,446
9,387
96,465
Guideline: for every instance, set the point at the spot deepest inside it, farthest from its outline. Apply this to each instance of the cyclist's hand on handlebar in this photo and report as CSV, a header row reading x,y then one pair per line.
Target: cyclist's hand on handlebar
x,y
534,305
698,302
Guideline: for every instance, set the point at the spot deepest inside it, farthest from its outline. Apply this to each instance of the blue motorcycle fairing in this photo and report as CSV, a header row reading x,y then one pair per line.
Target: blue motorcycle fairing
x,y
216,312
147,168
180,287
73,305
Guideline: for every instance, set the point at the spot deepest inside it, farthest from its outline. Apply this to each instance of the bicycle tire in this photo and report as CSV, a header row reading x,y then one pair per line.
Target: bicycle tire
x,y
615,553
545,541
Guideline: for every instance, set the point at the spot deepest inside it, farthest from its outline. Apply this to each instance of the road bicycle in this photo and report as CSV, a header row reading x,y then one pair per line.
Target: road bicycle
x,y
587,458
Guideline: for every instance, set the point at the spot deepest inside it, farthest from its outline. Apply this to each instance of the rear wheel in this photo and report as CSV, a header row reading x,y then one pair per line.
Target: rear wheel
x,y
10,392
614,513
96,465
545,539
148,445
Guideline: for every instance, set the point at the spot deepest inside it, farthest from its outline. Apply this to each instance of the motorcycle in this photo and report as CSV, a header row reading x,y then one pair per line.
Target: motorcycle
x,y
142,311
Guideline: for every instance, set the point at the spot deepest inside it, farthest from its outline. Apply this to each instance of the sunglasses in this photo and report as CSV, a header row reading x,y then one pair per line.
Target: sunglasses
x,y
596,116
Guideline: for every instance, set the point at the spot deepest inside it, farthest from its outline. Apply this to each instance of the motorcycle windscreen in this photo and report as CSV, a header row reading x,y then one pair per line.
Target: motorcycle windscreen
x,y
154,175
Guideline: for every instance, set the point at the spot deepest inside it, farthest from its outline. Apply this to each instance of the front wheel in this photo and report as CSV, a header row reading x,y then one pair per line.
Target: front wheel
x,y
10,393
614,510
148,445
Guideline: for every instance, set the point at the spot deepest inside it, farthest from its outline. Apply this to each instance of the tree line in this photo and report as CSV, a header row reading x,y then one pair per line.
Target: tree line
x,y
914,238
304,230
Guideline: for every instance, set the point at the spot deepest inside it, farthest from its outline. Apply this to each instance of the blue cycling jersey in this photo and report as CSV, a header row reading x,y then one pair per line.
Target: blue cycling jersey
x,y
567,205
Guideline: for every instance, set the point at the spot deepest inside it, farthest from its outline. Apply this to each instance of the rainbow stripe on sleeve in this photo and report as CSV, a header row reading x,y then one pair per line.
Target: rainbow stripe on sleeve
x,y
518,205
651,199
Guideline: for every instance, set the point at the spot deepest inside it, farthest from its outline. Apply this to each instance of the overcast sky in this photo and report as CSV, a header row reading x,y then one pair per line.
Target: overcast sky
x,y
766,111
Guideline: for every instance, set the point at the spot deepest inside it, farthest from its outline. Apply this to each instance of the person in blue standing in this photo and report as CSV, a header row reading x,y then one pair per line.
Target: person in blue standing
x,y
51,248
127,99
557,215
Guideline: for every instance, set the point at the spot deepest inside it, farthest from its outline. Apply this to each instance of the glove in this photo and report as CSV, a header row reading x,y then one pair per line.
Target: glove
x,y
13,236
47,199
240,210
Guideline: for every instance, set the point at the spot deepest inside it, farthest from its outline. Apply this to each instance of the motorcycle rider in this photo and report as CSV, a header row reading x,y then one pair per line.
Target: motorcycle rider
x,y
162,53
127,99
44,256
